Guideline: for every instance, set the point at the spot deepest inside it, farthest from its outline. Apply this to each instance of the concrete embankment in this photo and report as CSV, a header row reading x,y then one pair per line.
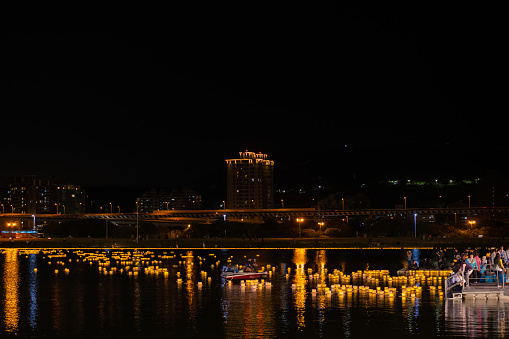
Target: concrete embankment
x,y
346,243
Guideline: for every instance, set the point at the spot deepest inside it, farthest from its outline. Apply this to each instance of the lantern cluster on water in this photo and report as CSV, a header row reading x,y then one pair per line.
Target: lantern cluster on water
x,y
372,283
184,267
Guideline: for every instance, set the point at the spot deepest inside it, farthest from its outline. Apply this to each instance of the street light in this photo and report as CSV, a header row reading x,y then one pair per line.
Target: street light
x,y
471,223
415,225
321,223
300,220
11,225
137,223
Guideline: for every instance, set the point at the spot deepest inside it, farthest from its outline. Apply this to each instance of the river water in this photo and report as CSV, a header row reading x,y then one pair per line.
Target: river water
x,y
127,293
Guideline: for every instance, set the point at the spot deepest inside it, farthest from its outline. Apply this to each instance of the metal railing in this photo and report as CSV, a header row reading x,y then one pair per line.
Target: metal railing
x,y
464,280
454,280
490,277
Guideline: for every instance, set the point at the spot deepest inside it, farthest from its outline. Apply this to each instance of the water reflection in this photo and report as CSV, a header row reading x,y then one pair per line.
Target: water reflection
x,y
474,318
248,309
310,295
32,290
190,286
56,307
299,286
11,286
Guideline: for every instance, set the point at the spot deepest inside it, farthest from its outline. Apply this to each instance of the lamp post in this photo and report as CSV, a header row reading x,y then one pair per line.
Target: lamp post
x,y
300,220
137,223
471,223
11,225
321,223
415,225
405,201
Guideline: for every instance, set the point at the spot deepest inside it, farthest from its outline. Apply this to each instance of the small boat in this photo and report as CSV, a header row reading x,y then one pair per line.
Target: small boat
x,y
404,271
241,275
246,272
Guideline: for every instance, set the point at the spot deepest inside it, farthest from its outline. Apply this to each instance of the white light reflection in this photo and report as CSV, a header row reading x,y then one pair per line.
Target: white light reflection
x,y
32,291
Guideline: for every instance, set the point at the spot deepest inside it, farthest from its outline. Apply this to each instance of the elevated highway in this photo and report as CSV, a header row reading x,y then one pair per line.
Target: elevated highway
x,y
197,215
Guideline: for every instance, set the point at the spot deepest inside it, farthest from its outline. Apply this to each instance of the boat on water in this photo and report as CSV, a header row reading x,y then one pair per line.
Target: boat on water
x,y
245,272
241,275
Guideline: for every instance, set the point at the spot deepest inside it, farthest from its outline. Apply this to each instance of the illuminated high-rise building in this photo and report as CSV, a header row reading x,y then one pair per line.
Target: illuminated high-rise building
x,y
31,194
250,181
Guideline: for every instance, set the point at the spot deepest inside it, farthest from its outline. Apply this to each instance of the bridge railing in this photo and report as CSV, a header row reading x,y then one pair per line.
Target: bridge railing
x,y
283,212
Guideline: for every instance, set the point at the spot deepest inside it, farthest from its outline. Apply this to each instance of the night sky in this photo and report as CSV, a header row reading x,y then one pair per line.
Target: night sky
x,y
159,97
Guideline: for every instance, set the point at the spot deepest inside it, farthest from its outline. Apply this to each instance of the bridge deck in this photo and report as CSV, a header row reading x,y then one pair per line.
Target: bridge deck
x,y
282,212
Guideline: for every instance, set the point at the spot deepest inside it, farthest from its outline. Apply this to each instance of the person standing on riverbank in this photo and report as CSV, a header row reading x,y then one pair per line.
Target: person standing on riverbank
x,y
456,254
478,262
498,266
409,258
467,269
473,263
503,254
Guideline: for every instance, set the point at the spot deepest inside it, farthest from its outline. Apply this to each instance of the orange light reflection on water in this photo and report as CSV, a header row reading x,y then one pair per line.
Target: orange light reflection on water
x,y
300,281
11,284
190,286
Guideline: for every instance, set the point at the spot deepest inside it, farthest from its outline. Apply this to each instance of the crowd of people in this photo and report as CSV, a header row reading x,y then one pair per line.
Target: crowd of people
x,y
476,268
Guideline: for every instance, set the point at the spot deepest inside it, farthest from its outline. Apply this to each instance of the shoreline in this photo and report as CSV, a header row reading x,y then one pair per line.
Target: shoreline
x,y
267,243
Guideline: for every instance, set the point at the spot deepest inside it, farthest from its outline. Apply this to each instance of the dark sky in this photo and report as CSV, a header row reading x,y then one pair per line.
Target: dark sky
x,y
161,96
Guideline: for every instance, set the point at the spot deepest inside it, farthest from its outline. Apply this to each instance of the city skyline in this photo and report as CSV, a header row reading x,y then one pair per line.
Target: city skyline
x,y
34,194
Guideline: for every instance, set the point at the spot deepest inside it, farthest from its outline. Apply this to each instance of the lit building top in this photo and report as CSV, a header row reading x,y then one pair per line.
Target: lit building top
x,y
250,156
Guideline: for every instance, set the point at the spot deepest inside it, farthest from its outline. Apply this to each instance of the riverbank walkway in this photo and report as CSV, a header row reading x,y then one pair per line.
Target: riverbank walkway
x,y
257,243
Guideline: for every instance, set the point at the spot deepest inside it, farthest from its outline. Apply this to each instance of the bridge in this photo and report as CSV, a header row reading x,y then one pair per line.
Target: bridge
x,y
237,214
